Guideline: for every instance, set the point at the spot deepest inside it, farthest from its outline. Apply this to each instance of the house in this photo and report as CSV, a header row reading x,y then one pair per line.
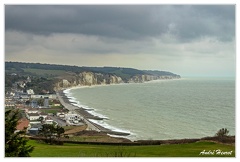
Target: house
x,y
29,79
24,97
33,131
34,104
33,116
46,102
9,104
56,103
30,91
31,110
20,105
35,128
44,115
22,124
48,121
50,96
73,118
61,114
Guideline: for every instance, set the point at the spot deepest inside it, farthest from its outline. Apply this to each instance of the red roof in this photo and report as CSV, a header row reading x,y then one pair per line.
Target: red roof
x,y
22,123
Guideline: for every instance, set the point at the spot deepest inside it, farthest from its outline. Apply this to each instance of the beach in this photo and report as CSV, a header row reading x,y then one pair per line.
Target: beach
x,y
86,116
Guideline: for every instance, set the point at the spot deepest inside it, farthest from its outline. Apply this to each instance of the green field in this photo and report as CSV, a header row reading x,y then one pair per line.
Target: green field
x,y
43,72
89,150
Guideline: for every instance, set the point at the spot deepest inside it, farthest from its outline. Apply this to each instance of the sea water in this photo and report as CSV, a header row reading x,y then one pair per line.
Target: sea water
x,y
163,109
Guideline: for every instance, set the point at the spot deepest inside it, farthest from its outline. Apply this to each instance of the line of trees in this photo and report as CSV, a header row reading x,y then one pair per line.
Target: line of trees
x,y
51,133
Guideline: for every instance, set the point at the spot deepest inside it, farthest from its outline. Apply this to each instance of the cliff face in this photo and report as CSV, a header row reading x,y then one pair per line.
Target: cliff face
x,y
145,78
87,79
90,78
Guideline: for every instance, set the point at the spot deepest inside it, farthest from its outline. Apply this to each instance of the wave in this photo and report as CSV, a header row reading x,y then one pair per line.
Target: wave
x,y
105,125
77,103
92,111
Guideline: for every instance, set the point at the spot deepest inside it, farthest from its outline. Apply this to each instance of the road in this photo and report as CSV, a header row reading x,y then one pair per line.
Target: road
x,y
59,121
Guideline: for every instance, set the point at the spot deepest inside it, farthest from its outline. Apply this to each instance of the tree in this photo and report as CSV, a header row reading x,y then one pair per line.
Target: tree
x,y
222,133
15,142
41,119
59,131
50,132
47,131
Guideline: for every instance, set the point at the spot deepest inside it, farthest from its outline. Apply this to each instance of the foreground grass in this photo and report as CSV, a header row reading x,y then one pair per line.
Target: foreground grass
x,y
85,150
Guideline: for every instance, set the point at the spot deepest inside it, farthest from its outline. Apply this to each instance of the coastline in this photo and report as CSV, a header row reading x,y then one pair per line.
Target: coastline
x,y
87,117
91,118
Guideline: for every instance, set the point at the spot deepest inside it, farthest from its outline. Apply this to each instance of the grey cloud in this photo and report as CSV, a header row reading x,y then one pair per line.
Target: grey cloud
x,y
131,22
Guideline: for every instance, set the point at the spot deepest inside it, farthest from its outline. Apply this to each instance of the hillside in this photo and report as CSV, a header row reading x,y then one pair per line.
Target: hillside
x,y
64,76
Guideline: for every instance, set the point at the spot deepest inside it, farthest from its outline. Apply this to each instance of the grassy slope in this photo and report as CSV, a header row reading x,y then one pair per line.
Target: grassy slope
x,y
43,72
84,150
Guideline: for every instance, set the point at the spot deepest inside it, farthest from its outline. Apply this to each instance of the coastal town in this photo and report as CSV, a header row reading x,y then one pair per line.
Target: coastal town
x,y
48,108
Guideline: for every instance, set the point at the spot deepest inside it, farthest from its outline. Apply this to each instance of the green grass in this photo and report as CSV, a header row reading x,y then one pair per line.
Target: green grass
x,y
42,72
53,110
85,150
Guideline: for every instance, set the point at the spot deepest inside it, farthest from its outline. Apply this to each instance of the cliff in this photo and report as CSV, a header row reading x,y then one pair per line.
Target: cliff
x,y
87,79
65,76
91,78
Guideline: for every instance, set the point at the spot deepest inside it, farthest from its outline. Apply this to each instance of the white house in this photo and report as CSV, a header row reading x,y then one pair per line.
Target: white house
x,y
50,96
44,115
61,114
49,121
30,91
9,104
31,111
33,116
72,117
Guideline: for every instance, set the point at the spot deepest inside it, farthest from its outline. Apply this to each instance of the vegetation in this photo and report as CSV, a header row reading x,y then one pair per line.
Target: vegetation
x,y
86,150
222,132
51,132
52,70
44,72
15,142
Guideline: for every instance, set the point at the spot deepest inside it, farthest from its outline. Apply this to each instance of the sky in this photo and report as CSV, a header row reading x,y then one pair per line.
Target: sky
x,y
189,40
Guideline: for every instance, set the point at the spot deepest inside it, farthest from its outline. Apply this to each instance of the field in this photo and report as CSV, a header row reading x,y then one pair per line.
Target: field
x,y
43,72
89,150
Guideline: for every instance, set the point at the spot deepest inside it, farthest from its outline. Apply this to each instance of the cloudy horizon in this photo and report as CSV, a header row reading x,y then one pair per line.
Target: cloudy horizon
x,y
189,40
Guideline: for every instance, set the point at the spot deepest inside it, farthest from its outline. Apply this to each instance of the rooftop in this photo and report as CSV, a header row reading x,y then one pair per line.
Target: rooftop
x,y
22,123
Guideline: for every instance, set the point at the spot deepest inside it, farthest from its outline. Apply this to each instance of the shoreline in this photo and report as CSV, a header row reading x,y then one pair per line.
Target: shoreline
x,y
86,115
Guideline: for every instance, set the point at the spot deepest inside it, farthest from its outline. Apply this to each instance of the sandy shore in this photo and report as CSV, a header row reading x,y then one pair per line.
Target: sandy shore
x,y
86,115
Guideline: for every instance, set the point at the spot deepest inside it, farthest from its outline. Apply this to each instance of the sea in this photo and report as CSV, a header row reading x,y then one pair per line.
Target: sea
x,y
162,109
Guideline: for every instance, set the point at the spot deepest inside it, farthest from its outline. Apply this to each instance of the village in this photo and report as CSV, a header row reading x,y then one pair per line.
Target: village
x,y
38,109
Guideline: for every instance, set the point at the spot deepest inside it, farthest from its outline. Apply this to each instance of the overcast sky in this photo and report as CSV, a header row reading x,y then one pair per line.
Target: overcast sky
x,y
196,40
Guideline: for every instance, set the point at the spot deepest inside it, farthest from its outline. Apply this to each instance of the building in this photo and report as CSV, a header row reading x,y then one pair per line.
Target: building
x,y
44,115
48,121
61,114
29,79
31,111
35,128
9,104
33,116
73,118
56,103
46,102
22,124
50,96
30,92
34,104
